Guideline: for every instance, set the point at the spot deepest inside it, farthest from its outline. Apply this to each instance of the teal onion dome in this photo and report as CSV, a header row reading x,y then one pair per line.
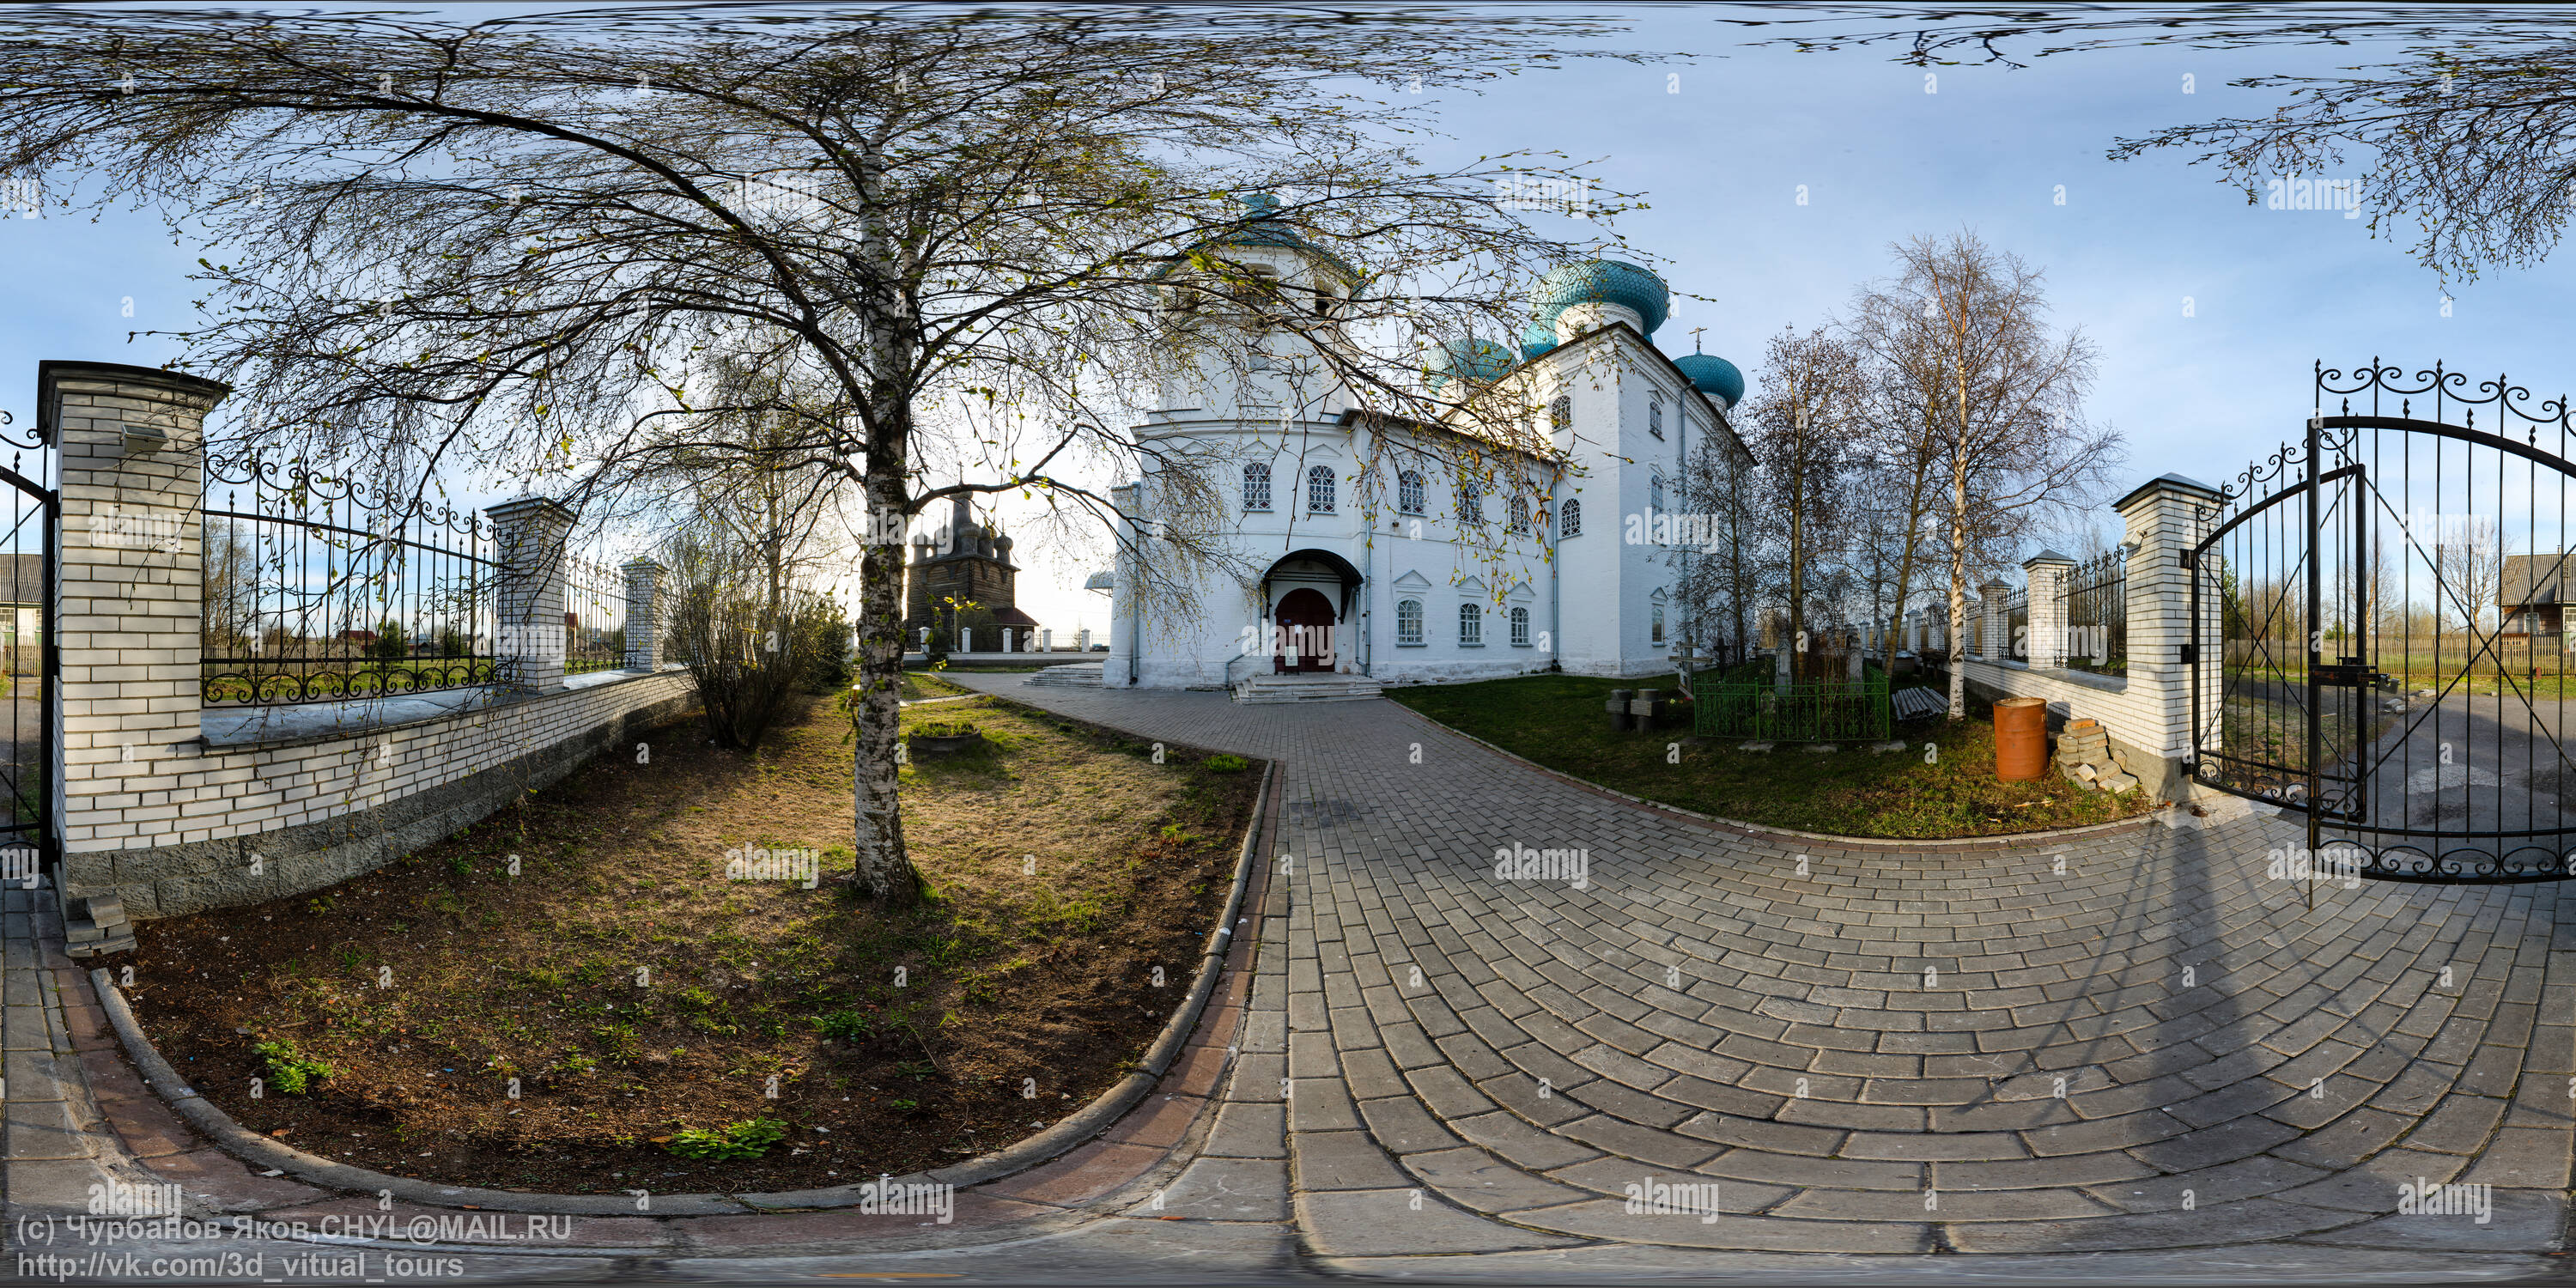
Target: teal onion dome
x,y
1541,334
1713,375
1605,281
1478,362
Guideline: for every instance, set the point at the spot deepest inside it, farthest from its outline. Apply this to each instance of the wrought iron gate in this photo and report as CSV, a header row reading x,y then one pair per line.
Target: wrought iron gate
x,y
30,660
2384,625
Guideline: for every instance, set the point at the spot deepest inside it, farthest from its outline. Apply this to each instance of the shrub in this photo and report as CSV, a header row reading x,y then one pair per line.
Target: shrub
x,y
749,1138
289,1070
851,1024
1227,763
752,638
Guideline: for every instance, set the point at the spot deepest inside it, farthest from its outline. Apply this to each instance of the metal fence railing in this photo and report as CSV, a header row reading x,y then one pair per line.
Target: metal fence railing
x,y
594,617
2095,611
1743,702
318,588
2017,626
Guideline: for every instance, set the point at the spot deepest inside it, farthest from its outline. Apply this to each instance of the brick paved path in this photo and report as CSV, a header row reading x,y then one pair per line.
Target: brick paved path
x,y
2131,1046
2121,1041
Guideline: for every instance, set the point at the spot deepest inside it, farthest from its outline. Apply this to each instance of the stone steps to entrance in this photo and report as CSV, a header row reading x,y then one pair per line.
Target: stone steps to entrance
x,y
1306,687
1078,675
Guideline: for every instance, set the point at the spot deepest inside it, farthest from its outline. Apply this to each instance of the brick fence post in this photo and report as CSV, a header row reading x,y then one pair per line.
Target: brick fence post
x,y
131,465
643,615
2048,572
528,537
2166,517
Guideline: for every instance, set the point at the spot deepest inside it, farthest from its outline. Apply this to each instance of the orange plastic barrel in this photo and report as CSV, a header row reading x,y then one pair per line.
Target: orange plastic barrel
x,y
2021,739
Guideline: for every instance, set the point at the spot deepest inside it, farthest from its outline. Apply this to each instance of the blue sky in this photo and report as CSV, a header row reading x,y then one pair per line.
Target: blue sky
x,y
1721,161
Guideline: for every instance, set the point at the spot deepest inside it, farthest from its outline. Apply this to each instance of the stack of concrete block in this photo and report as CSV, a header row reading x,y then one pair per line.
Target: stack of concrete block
x,y
95,926
2085,756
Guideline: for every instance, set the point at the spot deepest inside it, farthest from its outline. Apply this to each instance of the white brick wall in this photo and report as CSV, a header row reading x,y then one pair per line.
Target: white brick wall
x,y
185,795
2148,711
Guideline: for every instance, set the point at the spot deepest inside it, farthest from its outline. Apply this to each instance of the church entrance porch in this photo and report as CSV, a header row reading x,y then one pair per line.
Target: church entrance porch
x,y
1303,638
1312,598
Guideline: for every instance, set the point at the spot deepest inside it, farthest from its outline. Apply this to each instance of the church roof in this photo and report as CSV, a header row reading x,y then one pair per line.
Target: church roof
x,y
1263,228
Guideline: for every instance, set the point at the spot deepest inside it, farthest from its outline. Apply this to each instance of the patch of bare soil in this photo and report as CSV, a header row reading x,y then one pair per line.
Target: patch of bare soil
x,y
574,995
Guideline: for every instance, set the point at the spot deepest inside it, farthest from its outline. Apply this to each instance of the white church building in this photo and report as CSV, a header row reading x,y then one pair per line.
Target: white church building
x,y
1365,550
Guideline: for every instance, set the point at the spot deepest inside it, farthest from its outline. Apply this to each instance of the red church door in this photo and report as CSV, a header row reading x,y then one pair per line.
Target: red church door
x,y
1305,620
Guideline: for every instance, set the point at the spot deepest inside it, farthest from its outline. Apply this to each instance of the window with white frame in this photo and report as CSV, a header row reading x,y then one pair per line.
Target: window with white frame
x,y
1471,625
1319,490
1517,512
1520,628
1256,486
1655,492
1471,502
1408,621
1655,618
1560,413
1408,492
1569,518
1655,416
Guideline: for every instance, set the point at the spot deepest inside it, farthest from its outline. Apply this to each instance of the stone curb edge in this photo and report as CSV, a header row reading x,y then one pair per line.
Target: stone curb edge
x,y
1967,843
1100,1115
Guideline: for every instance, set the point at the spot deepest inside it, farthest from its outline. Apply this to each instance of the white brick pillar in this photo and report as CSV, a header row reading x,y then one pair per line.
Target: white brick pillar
x,y
1990,601
643,615
2048,571
528,538
2164,520
131,466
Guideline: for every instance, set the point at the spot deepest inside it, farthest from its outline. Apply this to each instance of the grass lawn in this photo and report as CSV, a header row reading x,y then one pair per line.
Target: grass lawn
x,y
635,993
918,685
1558,721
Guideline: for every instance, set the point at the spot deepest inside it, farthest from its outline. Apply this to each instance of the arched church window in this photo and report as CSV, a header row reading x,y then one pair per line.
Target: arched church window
x,y
1655,492
1471,502
1655,416
1655,618
1560,413
1569,518
1520,628
1408,621
1319,490
1471,625
1256,486
1516,511
1408,492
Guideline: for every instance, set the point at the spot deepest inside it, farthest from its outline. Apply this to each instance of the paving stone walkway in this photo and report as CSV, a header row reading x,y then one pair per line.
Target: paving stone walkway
x,y
2115,1042
1801,1061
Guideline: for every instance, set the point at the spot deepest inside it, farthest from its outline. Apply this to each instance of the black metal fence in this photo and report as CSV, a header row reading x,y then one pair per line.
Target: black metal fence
x,y
594,616
320,588
2094,608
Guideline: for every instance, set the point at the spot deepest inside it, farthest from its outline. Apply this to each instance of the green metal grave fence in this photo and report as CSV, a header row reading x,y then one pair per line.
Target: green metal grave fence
x,y
1730,705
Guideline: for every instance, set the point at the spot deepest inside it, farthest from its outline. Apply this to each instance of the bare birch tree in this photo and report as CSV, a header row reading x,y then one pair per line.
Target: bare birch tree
x,y
1803,424
2014,451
